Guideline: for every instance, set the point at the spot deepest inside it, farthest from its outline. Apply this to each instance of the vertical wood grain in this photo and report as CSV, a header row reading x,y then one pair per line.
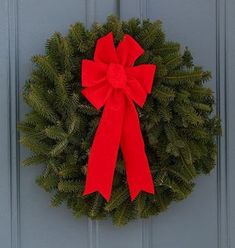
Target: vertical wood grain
x,y
6,219
14,117
93,226
147,232
143,9
130,8
93,229
222,111
90,12
230,120
146,223
105,8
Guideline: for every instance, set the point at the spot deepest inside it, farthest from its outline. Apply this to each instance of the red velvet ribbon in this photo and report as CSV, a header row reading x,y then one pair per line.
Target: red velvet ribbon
x,y
112,81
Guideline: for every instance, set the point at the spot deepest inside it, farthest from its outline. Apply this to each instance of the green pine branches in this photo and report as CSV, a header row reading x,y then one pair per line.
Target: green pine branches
x,y
177,122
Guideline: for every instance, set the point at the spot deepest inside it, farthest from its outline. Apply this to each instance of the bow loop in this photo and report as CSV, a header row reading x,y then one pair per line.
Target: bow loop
x,y
105,51
144,74
93,73
128,51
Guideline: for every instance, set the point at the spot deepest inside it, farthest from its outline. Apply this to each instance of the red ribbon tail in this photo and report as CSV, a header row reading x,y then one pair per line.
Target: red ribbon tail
x,y
137,167
104,150
89,189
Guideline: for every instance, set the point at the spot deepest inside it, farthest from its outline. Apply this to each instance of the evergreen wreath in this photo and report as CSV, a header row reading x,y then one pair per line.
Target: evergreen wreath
x,y
178,128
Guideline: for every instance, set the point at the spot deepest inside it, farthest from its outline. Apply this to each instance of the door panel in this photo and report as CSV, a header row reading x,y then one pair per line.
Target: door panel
x,y
41,225
206,218
190,219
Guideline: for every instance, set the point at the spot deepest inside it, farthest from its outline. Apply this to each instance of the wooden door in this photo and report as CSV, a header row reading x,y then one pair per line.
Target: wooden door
x,y
206,219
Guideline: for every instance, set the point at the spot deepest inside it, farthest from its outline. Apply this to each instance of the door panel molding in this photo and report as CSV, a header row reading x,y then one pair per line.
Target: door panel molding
x,y
223,195
13,120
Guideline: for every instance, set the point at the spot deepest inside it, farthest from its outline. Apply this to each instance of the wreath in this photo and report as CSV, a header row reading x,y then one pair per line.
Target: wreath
x,y
177,126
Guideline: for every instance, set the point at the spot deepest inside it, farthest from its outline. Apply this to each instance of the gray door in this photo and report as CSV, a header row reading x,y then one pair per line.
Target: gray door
x,y
206,219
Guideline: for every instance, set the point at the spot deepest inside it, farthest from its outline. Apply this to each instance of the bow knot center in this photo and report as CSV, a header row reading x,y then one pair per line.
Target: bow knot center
x,y
116,75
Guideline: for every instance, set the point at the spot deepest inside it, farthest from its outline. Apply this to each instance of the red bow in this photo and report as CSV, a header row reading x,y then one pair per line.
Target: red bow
x,y
112,81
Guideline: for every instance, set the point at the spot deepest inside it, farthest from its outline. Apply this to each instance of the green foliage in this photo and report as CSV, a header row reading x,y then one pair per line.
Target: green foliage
x,y
177,122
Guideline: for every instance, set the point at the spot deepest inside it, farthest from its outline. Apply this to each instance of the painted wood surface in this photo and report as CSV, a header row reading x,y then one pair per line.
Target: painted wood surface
x,y
206,219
